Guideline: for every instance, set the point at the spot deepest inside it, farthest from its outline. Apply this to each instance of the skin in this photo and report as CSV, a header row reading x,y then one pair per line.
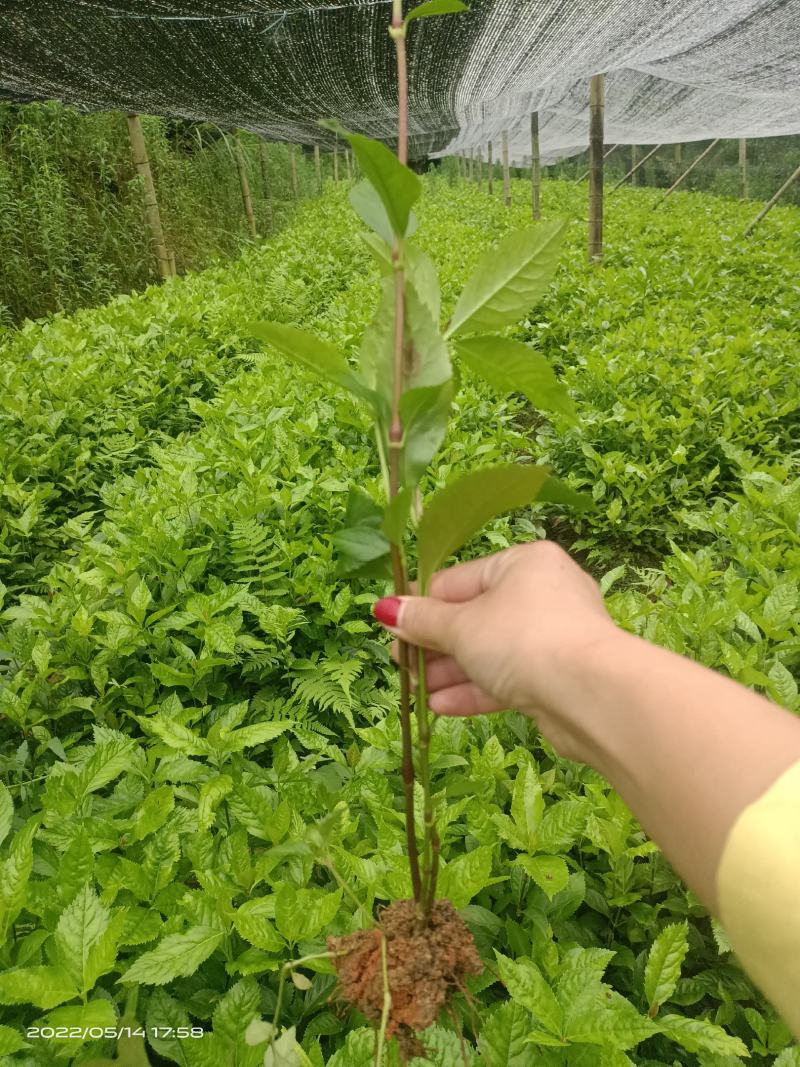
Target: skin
x,y
686,748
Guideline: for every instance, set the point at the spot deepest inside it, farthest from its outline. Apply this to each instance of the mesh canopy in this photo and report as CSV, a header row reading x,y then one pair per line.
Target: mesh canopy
x,y
677,70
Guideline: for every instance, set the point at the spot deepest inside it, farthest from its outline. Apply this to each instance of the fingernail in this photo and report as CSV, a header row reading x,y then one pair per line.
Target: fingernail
x,y
387,610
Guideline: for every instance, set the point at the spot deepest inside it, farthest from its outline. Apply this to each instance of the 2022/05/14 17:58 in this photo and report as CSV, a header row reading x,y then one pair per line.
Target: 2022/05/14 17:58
x,y
95,1033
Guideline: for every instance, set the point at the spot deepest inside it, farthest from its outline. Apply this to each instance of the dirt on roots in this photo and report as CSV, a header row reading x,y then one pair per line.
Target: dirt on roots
x,y
424,967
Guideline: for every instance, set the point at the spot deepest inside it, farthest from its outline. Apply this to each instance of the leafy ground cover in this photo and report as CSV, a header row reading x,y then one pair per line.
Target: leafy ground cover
x,y
199,736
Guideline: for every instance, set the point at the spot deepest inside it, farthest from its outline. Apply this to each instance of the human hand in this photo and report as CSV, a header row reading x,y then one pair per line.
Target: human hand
x,y
510,630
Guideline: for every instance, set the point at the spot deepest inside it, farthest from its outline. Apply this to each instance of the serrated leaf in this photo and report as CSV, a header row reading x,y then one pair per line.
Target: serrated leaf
x,y
253,921
248,736
697,1035
11,1041
607,1018
527,986
502,1038
395,516
455,513
211,793
301,914
784,684
509,280
176,956
466,875
79,926
44,987
527,806
236,1010
664,962
511,366
6,812
550,873
97,1013
153,812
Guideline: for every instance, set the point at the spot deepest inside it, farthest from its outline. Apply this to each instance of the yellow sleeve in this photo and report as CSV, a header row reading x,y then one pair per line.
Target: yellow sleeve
x,y
758,886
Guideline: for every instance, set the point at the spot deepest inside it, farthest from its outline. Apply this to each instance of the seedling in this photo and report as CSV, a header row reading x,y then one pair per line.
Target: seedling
x,y
404,377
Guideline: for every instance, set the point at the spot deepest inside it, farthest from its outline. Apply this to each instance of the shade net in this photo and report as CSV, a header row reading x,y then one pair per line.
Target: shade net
x,y
677,70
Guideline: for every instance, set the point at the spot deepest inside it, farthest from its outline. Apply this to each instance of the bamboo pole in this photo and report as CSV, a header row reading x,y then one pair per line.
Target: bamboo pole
x,y
635,168
471,165
263,158
596,117
348,164
634,171
686,173
585,174
318,167
480,168
506,172
768,207
336,162
244,183
293,169
490,159
678,152
152,214
743,167
536,168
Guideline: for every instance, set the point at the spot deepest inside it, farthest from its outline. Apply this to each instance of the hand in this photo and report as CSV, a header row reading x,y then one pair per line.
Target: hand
x,y
506,631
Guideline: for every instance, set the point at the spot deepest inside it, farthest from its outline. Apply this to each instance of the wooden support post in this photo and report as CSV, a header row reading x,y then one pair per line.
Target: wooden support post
x,y
263,159
318,167
247,199
480,168
634,171
471,165
768,207
152,214
348,164
536,167
490,158
585,174
596,121
293,169
336,162
506,172
686,173
743,167
631,173
678,152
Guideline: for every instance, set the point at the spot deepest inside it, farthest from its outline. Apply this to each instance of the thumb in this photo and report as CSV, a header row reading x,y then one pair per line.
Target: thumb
x,y
420,620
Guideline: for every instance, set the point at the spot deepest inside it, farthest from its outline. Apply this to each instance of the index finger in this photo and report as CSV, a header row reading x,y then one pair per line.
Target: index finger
x,y
465,581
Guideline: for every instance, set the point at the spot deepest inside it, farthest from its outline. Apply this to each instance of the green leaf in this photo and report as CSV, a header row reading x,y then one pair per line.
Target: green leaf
x,y
44,987
510,366
602,1017
97,1013
176,956
11,1041
435,7
664,963
527,806
361,542
311,352
212,793
153,812
6,812
422,276
502,1038
368,205
398,187
509,280
527,986
80,925
301,914
15,871
395,516
464,877
457,512
256,734
700,1035
550,873
424,413
253,921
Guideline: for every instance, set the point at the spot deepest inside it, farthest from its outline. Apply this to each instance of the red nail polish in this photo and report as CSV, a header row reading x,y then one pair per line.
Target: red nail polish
x,y
387,610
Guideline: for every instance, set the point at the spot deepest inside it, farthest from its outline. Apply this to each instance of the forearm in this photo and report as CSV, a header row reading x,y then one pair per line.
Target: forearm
x,y
686,748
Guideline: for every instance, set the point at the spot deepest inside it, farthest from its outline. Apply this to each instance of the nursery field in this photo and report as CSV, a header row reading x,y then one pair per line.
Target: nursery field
x,y
199,736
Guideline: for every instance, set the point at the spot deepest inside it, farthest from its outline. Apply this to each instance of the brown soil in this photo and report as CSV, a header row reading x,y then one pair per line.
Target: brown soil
x,y
424,967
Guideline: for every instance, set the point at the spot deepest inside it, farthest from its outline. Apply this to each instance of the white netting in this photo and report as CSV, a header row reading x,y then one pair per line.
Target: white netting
x,y
677,70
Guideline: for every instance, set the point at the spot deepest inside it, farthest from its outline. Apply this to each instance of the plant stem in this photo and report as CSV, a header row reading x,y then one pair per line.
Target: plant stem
x,y
431,846
397,32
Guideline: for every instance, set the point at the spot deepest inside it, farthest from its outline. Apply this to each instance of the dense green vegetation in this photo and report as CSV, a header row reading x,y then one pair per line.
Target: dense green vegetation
x,y
71,224
198,717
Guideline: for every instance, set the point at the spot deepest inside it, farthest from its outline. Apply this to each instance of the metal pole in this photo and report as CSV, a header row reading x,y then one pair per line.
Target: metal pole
x,y
596,116
686,173
633,169
768,207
